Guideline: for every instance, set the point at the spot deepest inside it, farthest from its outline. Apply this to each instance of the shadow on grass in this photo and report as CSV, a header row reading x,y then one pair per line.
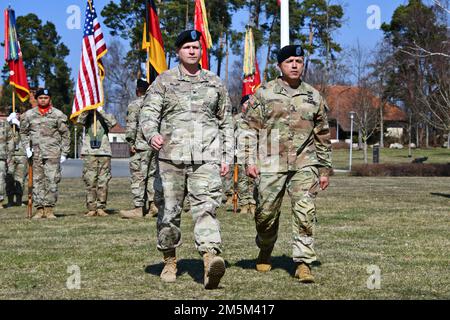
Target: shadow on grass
x,y
193,267
278,262
440,194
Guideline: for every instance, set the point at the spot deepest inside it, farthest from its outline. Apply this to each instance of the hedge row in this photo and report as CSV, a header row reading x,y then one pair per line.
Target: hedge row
x,y
402,170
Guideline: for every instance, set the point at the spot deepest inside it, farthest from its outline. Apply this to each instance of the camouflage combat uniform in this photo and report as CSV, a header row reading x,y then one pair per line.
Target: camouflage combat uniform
x,y
293,125
17,169
193,115
143,161
4,155
97,162
50,139
246,185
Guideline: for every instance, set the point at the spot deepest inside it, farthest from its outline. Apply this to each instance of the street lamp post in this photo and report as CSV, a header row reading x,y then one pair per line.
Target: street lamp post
x,y
352,115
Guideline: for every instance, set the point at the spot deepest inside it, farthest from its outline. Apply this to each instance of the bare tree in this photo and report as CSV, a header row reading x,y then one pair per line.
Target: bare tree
x,y
367,115
119,83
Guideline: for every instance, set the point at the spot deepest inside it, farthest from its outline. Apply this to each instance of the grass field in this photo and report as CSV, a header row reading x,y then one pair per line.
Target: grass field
x,y
400,225
435,155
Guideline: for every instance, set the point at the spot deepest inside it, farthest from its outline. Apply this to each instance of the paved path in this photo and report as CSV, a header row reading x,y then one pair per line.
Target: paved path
x,y
73,168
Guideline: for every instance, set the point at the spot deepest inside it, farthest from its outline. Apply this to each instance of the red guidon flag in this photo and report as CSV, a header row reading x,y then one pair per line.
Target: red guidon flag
x,y
252,78
153,41
89,86
13,56
201,24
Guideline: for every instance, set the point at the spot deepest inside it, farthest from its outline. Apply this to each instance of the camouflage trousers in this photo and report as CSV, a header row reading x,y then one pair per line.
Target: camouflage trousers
x,y
16,177
46,176
246,188
204,193
302,187
142,170
2,179
96,176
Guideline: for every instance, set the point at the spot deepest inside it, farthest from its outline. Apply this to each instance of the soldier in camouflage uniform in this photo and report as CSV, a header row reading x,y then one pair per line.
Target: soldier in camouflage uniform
x,y
45,137
246,184
142,161
96,153
289,117
5,136
17,165
186,117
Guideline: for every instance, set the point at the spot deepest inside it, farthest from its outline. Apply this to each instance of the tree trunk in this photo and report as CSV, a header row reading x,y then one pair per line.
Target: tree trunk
x,y
365,151
269,47
427,136
417,135
359,139
381,127
227,58
448,140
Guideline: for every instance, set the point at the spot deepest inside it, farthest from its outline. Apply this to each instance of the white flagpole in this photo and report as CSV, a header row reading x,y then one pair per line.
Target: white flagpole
x,y
284,14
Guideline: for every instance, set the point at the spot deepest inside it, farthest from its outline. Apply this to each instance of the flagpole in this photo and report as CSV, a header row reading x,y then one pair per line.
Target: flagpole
x,y
14,107
148,64
284,17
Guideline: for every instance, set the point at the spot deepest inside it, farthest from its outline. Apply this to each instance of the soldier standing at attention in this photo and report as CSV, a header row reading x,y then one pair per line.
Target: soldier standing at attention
x,y
246,185
142,161
187,117
45,137
298,159
17,165
96,153
4,156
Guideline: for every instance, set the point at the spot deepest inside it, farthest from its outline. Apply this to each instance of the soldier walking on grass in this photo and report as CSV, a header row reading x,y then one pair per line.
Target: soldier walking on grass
x,y
45,137
186,117
96,153
142,161
291,116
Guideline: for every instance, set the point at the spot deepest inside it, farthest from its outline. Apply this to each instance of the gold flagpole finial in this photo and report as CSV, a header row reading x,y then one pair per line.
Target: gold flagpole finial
x,y
90,4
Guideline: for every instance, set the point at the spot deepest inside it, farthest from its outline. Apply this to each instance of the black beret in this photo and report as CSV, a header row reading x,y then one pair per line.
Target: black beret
x,y
290,51
41,92
142,85
187,36
244,99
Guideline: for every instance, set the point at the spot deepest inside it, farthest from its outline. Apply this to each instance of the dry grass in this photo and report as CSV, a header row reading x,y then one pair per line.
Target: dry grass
x,y
399,224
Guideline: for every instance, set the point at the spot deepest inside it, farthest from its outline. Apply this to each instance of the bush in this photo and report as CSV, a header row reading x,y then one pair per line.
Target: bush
x,y
401,170
340,145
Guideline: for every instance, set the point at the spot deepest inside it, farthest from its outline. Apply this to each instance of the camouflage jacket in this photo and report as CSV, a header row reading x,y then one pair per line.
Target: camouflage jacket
x,y
5,138
49,133
105,122
193,115
289,131
134,135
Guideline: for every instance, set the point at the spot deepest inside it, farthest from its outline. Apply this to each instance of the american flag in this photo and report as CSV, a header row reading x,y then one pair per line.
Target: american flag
x,y
89,88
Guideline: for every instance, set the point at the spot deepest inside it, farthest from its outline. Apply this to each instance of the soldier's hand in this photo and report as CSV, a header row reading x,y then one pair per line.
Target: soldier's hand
x,y
157,142
29,152
133,150
252,171
324,182
224,169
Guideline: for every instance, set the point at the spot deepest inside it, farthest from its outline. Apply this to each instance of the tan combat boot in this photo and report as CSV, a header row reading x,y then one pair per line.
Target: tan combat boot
x,y
169,273
48,212
214,267
90,213
252,209
39,214
303,273
131,214
153,212
263,261
102,213
245,209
